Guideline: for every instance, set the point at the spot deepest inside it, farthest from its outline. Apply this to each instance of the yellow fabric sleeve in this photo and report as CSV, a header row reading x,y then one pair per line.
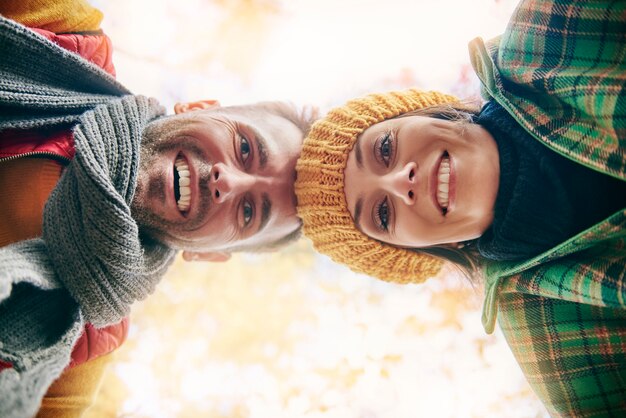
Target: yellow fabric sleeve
x,y
57,16
26,183
75,390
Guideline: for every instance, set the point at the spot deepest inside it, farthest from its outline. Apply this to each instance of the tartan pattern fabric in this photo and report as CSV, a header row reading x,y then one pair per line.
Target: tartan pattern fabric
x,y
589,268
560,71
576,364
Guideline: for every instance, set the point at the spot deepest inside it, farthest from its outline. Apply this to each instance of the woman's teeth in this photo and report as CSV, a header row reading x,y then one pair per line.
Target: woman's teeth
x,y
184,182
443,184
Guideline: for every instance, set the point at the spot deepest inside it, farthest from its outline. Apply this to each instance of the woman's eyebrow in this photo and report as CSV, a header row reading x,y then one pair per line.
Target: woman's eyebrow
x,y
358,152
358,208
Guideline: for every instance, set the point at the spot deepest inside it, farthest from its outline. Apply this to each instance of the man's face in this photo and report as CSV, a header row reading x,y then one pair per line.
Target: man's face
x,y
217,179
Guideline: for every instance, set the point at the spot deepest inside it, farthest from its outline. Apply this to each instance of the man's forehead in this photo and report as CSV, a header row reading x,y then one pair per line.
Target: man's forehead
x,y
278,133
275,112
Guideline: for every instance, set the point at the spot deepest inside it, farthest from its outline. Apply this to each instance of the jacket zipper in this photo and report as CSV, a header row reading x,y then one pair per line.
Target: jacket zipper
x,y
37,154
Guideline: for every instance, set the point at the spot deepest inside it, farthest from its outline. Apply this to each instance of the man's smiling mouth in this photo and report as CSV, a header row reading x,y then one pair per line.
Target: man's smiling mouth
x,y
182,184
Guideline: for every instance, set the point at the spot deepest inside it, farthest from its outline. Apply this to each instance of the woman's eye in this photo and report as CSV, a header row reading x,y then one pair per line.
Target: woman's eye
x,y
247,213
244,149
382,215
384,149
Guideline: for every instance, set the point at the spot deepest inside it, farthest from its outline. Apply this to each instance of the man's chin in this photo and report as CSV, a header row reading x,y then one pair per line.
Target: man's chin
x,y
154,234
147,222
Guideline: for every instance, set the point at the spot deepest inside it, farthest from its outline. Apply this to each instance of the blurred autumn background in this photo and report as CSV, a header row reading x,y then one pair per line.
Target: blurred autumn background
x,y
291,334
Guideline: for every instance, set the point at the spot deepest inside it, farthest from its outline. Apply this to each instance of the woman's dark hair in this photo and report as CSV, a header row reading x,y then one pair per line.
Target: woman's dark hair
x,y
467,260
466,257
462,111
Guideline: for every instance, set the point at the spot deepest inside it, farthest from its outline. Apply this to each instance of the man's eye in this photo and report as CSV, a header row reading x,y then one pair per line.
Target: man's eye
x,y
384,148
244,149
382,215
247,212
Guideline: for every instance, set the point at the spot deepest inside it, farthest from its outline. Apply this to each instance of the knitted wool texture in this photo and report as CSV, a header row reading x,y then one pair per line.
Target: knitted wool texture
x,y
36,93
92,240
90,265
90,250
320,188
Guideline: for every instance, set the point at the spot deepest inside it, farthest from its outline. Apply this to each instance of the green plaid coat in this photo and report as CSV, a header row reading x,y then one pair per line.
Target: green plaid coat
x,y
560,71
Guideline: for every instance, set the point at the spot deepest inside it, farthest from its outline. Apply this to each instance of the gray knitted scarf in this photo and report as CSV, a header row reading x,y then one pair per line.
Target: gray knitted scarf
x,y
90,264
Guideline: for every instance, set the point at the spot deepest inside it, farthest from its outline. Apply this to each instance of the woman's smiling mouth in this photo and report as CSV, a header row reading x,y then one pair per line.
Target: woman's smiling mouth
x,y
443,183
443,190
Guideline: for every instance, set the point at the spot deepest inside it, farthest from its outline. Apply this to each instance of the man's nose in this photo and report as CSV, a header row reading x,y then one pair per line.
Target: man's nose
x,y
401,183
229,182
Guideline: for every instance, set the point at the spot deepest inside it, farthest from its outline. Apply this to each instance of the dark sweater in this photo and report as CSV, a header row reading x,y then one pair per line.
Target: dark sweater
x,y
543,198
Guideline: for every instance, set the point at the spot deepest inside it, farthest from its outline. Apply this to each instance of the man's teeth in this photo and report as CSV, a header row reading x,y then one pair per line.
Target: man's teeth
x,y
183,184
443,184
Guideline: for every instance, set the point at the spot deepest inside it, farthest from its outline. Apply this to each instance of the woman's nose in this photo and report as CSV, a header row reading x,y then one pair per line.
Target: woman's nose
x,y
402,184
228,182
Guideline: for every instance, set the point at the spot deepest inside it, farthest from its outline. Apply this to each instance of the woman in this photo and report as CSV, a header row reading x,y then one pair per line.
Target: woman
x,y
529,194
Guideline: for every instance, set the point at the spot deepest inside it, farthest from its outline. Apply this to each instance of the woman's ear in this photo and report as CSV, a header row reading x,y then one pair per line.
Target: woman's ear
x,y
218,256
198,105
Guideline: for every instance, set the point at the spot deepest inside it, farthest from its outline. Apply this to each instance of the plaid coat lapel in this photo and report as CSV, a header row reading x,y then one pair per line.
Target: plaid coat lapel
x,y
560,70
589,268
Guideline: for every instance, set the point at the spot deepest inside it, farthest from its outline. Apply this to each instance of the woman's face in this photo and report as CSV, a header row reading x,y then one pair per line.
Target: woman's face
x,y
418,181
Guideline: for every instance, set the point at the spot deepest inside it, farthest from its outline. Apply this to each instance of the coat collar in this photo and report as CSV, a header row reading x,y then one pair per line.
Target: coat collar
x,y
612,228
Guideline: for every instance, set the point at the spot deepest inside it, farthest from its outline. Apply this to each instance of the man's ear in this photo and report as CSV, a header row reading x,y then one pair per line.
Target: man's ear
x,y
218,256
199,105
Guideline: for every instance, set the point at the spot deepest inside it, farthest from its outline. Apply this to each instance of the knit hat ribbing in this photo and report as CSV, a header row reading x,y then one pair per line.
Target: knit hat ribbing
x,y
320,188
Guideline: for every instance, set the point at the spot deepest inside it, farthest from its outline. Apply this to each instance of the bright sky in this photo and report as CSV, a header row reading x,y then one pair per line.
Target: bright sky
x,y
319,52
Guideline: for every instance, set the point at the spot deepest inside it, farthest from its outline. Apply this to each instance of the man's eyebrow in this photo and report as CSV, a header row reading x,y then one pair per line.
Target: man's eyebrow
x,y
261,145
358,153
266,211
358,208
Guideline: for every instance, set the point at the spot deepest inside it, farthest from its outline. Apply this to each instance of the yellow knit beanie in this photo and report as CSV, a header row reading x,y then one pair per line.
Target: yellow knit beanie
x,y
320,188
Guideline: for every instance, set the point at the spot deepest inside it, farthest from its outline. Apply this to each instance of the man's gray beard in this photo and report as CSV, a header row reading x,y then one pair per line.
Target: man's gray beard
x,y
154,135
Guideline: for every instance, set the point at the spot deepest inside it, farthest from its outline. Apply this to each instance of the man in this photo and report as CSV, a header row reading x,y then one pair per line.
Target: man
x,y
209,181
